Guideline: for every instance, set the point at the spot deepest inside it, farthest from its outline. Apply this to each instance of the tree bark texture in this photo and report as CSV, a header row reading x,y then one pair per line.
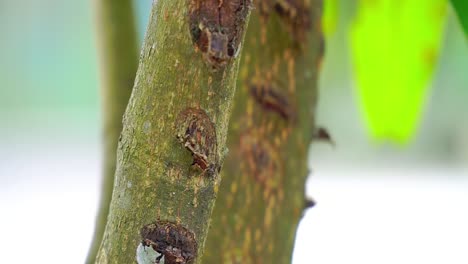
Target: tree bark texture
x,y
261,198
117,47
174,131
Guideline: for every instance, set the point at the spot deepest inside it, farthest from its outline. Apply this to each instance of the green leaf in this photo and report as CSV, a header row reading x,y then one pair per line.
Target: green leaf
x,y
395,47
330,16
461,8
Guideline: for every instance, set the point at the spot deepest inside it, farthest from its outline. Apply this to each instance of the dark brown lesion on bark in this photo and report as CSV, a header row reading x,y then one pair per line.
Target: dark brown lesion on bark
x,y
217,27
174,242
197,133
294,14
261,160
271,98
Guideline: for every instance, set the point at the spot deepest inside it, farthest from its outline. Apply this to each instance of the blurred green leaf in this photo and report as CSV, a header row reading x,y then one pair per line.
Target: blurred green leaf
x,y
330,16
395,46
461,8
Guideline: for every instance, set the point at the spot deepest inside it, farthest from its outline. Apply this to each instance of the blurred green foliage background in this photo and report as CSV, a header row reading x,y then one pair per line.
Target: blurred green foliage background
x,y
49,71
395,48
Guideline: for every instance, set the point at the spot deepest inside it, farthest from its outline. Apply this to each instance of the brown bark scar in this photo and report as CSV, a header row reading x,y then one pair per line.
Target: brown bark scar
x,y
197,133
269,97
217,27
262,161
293,13
174,242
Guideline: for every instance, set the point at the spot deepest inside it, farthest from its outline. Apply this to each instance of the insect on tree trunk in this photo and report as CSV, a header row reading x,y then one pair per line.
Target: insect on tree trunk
x,y
173,143
174,132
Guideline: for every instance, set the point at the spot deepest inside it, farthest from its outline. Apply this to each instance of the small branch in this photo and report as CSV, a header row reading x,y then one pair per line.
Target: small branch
x,y
118,58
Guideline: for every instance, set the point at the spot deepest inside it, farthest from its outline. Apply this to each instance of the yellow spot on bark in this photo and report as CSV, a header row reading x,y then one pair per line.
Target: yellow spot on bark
x,y
291,76
147,183
275,66
238,227
249,112
248,198
257,235
247,239
224,219
284,134
270,247
263,34
277,141
269,127
234,188
281,194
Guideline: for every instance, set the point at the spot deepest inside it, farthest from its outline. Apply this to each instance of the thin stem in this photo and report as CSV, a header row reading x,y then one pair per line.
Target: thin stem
x,y
118,58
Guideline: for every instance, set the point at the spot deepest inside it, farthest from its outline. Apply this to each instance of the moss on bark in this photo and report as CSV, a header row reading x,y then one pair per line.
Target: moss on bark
x,y
262,194
154,178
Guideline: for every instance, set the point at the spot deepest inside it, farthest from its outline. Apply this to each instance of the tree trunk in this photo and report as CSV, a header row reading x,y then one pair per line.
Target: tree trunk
x,y
117,47
174,132
262,194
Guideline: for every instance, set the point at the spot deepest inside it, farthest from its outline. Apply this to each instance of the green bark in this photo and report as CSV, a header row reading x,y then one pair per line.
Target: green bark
x,y
154,179
262,194
118,60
